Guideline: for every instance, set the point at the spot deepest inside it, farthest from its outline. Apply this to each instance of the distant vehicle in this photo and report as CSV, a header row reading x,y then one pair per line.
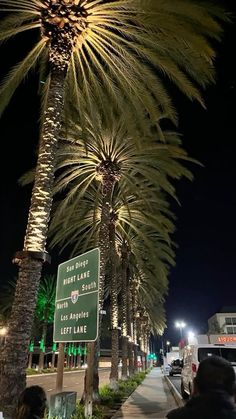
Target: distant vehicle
x,y
194,354
166,369
175,367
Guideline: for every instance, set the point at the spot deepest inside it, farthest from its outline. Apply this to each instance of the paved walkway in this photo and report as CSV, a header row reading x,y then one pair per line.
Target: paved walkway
x,y
152,399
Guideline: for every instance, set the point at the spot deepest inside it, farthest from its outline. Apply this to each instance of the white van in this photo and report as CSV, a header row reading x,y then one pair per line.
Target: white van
x,y
193,354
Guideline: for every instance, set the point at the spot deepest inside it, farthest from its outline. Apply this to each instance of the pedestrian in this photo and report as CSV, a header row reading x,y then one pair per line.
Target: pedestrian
x,y
213,394
32,403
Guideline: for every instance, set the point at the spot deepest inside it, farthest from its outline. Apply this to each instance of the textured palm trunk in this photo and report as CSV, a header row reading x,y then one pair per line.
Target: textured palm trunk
x,y
124,304
134,319
94,347
13,358
78,361
113,309
129,324
30,360
53,360
132,316
145,340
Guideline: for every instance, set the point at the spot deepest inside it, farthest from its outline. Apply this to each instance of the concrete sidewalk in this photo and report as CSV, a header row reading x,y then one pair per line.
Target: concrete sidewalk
x,y
152,399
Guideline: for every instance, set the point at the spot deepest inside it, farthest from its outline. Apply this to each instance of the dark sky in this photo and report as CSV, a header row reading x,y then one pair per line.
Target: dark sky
x,y
204,277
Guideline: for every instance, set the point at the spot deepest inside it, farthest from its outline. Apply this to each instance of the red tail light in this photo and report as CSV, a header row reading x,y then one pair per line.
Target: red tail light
x,y
194,368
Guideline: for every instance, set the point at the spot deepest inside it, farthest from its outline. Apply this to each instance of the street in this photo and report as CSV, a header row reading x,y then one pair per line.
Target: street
x,y
73,381
176,381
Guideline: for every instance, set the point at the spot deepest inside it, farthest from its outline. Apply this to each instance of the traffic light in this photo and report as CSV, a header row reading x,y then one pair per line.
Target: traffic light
x,y
152,356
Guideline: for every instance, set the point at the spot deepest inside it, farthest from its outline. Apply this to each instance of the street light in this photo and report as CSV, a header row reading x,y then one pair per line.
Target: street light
x,y
191,338
180,326
167,346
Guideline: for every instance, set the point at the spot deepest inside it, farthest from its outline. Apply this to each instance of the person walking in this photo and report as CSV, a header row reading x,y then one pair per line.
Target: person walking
x,y
213,394
32,403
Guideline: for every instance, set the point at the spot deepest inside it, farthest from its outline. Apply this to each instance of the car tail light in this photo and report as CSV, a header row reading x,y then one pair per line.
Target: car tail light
x,y
194,368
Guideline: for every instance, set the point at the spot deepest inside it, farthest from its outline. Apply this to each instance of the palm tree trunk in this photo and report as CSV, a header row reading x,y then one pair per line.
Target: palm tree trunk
x,y
94,347
129,323
134,320
30,359
124,304
114,308
53,360
13,358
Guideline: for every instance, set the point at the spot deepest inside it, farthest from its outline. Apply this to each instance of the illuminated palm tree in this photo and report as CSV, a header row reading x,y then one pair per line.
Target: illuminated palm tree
x,y
111,156
145,258
81,227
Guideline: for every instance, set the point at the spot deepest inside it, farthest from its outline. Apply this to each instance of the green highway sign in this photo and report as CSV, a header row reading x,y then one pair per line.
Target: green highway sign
x,y
76,306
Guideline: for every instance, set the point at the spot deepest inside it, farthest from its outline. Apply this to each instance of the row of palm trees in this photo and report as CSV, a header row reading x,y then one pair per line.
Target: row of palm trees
x,y
93,57
113,188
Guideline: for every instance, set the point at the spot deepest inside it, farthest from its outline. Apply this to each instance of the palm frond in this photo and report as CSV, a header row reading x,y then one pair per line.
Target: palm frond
x,y
17,74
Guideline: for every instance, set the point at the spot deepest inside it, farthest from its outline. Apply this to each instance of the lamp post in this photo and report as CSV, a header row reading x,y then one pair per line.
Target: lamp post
x,y
167,345
180,325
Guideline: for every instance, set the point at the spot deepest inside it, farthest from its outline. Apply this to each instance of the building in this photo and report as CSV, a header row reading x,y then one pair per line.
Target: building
x,y
223,322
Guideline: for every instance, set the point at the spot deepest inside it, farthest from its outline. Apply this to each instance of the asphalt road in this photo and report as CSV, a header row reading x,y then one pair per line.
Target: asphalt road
x,y
73,381
176,381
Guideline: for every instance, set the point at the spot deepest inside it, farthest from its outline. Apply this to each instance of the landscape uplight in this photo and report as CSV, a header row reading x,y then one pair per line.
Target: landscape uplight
x,y
3,331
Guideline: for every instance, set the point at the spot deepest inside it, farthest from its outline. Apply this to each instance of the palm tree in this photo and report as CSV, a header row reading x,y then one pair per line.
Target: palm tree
x,y
84,223
84,46
111,155
45,309
145,260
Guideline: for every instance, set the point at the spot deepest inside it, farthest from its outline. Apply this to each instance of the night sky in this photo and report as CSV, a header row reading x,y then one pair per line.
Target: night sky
x,y
204,277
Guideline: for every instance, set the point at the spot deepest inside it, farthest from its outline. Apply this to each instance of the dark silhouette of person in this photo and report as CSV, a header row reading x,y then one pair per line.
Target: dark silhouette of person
x,y
32,403
213,395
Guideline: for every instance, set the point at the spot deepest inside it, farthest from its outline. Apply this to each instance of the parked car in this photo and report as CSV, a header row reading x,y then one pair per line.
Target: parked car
x,y
175,367
165,369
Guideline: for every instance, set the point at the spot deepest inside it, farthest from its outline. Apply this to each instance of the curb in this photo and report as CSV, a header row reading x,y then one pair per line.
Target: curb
x,y
174,392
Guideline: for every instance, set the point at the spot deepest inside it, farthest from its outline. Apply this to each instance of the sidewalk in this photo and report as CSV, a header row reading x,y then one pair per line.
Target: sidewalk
x,y
152,399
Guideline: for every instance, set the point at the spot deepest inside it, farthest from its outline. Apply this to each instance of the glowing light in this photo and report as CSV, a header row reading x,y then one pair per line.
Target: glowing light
x,y
3,331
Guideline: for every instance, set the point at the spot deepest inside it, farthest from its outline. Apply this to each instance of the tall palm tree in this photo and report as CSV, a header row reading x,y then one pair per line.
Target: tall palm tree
x,y
84,46
111,156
